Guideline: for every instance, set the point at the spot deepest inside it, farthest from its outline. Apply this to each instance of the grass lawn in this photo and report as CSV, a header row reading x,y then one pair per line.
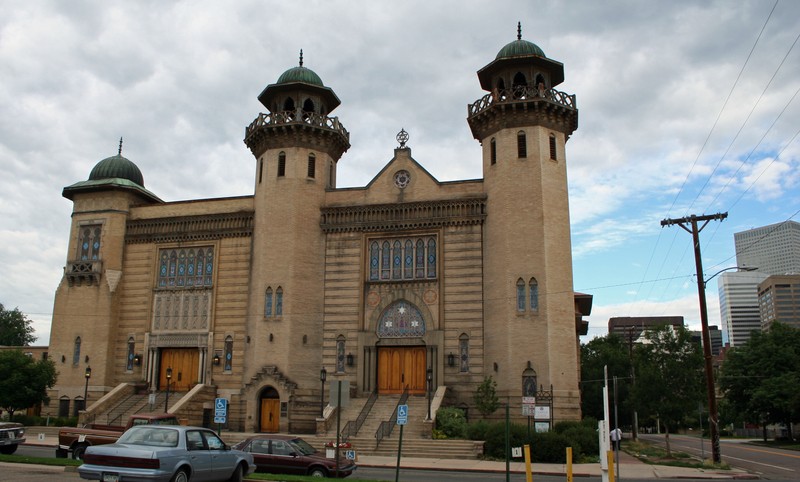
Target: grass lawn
x,y
657,455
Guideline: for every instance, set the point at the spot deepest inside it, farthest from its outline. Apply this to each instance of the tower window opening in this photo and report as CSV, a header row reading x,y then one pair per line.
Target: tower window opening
x,y
493,151
540,84
281,164
288,104
553,147
522,145
518,86
520,295
501,89
260,170
308,108
312,161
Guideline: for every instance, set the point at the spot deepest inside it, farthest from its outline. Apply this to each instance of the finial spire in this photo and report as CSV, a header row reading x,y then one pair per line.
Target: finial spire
x,y
119,152
301,57
519,30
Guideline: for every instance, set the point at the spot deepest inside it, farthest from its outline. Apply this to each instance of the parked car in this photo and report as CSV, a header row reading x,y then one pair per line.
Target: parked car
x,y
287,454
77,439
11,435
162,453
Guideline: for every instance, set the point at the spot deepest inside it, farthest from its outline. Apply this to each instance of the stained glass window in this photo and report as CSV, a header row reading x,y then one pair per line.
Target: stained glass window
x,y
268,302
431,258
386,267
408,265
131,354
533,286
279,301
374,261
185,268
420,260
340,354
520,295
397,260
401,319
76,352
89,243
228,353
463,352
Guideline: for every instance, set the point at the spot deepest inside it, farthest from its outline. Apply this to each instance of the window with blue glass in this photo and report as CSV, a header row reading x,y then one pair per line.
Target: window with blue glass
x,y
186,268
533,287
131,354
228,353
520,295
399,259
401,319
268,302
340,354
279,301
463,352
89,242
76,351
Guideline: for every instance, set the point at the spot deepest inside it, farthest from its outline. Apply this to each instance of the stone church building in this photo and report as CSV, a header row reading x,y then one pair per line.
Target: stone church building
x,y
405,284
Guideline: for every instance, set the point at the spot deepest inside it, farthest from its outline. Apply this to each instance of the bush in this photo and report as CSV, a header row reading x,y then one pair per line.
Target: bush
x,y
477,430
451,422
549,447
35,421
546,447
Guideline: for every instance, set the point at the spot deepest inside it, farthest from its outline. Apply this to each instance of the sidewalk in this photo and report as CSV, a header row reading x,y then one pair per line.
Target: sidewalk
x,y
629,468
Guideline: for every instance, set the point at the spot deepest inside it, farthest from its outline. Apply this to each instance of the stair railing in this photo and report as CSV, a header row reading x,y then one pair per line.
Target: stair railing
x,y
385,429
352,427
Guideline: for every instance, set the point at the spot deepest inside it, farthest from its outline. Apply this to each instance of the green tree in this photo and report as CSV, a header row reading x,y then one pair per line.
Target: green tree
x,y
15,328
760,379
25,381
486,397
669,376
615,353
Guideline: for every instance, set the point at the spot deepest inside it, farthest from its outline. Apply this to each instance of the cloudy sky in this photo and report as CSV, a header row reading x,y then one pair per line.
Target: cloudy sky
x,y
686,107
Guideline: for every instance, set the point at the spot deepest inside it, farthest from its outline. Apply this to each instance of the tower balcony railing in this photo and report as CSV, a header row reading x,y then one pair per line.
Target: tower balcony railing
x,y
288,117
522,93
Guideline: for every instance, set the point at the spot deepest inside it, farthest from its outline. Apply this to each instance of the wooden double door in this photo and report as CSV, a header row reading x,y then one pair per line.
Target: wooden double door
x,y
401,366
185,367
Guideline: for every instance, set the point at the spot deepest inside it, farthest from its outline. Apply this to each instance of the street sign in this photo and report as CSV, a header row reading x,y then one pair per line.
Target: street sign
x,y
220,410
402,414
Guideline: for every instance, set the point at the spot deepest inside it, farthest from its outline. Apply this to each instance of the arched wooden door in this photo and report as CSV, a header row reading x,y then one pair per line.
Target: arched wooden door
x,y
400,366
184,363
270,411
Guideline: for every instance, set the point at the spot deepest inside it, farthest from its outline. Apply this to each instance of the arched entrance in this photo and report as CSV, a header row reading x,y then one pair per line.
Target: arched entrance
x,y
270,410
184,363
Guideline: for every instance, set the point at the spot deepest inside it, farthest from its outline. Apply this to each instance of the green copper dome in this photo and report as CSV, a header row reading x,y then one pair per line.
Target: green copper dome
x,y
520,47
117,167
300,74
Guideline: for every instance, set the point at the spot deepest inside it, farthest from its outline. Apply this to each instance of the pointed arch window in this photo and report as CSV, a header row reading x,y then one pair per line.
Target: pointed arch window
x,y
281,164
185,268
553,147
420,260
397,260
533,287
312,165
520,295
268,302
501,89
89,242
279,301
131,354
76,351
463,353
308,108
519,84
288,104
431,258
522,145
493,151
408,263
386,266
340,357
228,353
374,260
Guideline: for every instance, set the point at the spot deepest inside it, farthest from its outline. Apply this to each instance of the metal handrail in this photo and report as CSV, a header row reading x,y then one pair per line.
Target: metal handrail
x,y
521,93
385,429
352,427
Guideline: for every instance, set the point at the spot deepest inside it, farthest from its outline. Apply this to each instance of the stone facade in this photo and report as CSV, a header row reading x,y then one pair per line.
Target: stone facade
x,y
386,286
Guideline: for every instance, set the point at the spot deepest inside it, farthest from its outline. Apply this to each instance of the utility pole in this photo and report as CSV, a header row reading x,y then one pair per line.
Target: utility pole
x,y
713,418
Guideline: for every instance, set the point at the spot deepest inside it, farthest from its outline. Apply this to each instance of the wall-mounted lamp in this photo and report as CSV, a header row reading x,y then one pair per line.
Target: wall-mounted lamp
x,y
451,359
63,358
248,338
87,358
349,359
137,360
270,337
216,359
495,366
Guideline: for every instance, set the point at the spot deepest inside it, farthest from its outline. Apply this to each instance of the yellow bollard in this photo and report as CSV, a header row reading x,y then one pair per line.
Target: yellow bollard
x,y
569,464
610,455
528,473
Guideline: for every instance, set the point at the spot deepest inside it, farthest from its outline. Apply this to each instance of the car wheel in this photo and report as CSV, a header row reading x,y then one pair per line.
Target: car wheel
x,y
180,476
237,475
77,452
8,449
317,472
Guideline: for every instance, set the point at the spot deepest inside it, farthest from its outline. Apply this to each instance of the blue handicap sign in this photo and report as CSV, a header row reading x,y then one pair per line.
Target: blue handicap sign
x,y
220,410
402,414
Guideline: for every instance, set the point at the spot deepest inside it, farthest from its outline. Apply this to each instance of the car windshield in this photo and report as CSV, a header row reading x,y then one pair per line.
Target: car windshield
x,y
303,447
150,436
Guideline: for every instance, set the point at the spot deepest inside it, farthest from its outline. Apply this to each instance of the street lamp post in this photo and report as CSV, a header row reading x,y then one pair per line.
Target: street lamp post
x,y
88,375
323,374
166,400
429,378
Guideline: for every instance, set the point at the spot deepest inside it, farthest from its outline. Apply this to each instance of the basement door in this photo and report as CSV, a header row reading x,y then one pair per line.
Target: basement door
x,y
184,363
401,366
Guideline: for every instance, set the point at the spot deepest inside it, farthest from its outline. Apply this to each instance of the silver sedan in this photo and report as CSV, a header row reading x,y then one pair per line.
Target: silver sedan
x,y
166,454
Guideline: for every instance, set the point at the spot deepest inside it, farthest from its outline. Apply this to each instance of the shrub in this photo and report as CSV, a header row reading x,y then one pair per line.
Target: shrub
x,y
549,447
451,422
477,430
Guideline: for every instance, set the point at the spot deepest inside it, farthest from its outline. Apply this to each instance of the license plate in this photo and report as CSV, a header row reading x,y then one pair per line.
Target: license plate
x,y
110,477
11,435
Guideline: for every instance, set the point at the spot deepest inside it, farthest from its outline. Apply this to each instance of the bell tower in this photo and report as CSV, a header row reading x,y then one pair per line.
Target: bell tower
x,y
523,124
296,145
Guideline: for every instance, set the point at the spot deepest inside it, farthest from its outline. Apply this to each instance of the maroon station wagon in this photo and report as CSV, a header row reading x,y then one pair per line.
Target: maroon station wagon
x,y
288,454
